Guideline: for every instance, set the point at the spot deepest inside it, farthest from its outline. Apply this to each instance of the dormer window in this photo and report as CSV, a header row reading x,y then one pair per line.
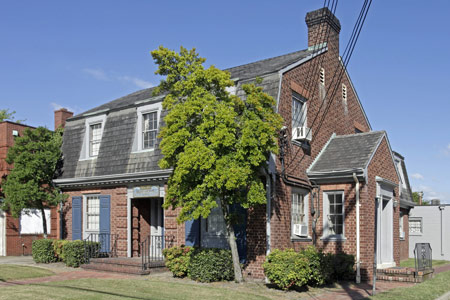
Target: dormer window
x,y
149,130
322,76
95,137
94,127
148,117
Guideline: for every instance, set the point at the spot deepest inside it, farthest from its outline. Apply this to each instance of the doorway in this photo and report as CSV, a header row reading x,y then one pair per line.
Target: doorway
x,y
385,232
146,224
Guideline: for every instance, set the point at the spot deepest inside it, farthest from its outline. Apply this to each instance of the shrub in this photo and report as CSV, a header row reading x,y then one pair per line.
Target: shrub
x,y
342,266
73,252
320,272
42,251
287,268
58,249
177,260
208,265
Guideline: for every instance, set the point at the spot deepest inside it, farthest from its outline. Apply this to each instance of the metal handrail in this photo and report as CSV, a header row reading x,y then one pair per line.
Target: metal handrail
x,y
151,249
100,245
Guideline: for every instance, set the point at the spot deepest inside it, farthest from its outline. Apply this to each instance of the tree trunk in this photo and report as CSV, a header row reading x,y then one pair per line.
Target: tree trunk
x,y
44,222
233,245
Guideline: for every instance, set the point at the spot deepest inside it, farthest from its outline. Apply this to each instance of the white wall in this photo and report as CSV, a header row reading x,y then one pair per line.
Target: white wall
x,y
431,230
31,221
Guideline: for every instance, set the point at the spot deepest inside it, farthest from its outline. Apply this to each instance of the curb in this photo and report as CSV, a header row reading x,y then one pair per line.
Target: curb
x,y
446,296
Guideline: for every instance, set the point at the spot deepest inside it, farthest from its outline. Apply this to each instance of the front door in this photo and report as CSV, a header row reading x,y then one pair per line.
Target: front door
x,y
2,233
147,224
385,232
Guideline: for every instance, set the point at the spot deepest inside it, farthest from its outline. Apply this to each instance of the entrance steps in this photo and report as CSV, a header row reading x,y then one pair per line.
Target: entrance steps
x,y
124,265
403,274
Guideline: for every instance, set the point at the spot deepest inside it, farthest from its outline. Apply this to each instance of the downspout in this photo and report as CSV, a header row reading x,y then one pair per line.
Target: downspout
x,y
441,208
358,262
268,212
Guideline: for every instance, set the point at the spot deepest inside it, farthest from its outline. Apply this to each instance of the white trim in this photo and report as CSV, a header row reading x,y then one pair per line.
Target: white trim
x,y
305,194
326,208
129,221
2,233
86,231
356,94
387,182
84,154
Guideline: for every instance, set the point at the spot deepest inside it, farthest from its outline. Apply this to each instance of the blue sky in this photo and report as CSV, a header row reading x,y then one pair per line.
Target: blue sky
x,y
80,54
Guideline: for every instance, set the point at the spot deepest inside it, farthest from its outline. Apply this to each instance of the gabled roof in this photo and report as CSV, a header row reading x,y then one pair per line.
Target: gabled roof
x,y
243,72
346,154
406,199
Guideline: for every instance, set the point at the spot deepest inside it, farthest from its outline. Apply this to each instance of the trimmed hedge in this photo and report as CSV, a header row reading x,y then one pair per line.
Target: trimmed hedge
x,y
204,265
208,265
42,251
288,268
177,260
58,248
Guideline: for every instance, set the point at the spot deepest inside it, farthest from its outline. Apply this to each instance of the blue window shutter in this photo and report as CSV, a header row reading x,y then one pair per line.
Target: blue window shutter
x,y
240,231
105,222
192,230
76,217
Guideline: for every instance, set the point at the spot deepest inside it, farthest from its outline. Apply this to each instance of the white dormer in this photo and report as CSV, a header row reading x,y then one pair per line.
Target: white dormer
x,y
94,127
147,127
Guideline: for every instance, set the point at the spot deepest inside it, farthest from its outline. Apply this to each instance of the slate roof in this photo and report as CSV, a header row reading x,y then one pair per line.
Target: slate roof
x,y
116,155
406,194
347,153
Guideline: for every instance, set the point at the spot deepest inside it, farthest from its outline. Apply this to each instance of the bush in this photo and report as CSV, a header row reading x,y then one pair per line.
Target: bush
x,y
58,249
342,265
287,269
208,265
73,252
42,251
320,271
177,260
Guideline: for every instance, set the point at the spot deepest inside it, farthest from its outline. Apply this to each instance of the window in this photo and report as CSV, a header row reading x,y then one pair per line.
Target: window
x,y
322,76
334,215
299,214
149,130
95,137
299,111
92,212
415,226
400,226
146,133
31,221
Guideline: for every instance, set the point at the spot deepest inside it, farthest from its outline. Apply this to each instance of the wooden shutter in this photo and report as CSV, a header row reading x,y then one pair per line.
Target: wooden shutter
x,y
192,230
105,223
76,217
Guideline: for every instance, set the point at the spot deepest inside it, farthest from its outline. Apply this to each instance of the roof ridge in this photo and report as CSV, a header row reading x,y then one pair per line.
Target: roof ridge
x,y
359,134
265,59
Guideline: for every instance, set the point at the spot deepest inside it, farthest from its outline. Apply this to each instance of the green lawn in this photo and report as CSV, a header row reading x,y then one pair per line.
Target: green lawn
x,y
410,263
430,289
13,272
151,288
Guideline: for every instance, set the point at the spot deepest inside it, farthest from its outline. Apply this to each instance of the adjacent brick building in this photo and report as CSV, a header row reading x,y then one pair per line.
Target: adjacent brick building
x,y
328,148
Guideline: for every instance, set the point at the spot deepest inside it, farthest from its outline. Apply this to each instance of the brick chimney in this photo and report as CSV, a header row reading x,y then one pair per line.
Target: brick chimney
x,y
61,115
323,26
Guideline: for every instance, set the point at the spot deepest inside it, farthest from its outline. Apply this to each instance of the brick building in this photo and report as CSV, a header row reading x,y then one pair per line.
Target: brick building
x,y
330,160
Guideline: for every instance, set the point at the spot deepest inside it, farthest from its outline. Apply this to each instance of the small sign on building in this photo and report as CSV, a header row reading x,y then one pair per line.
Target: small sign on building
x,y
146,191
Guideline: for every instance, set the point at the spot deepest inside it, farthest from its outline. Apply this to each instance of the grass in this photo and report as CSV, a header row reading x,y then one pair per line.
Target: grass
x,y
410,263
150,288
428,290
14,272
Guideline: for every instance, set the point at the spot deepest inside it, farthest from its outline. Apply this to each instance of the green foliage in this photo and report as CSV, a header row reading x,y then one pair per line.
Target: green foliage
x,y
416,198
319,271
342,264
37,159
58,248
6,115
42,251
73,253
215,142
287,268
209,265
178,259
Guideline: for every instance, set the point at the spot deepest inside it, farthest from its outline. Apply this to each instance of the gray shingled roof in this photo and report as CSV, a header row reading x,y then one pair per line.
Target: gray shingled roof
x,y
406,194
346,153
243,72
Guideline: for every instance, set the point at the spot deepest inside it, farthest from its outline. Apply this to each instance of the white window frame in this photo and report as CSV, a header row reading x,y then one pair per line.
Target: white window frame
x,y
33,218
401,225
299,119
305,195
87,231
85,151
327,235
154,107
415,219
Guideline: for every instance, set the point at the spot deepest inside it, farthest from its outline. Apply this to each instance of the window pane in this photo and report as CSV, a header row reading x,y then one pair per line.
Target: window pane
x,y
298,110
95,131
149,130
93,212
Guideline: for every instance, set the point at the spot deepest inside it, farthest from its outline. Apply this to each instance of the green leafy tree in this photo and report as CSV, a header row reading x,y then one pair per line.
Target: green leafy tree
x,y
5,114
37,160
416,198
216,142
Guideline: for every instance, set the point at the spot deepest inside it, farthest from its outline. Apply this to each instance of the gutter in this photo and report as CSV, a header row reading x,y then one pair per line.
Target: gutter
x,y
358,262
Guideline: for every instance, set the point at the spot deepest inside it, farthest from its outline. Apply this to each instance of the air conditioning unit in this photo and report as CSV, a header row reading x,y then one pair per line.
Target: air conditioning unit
x,y
301,134
300,229
402,234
